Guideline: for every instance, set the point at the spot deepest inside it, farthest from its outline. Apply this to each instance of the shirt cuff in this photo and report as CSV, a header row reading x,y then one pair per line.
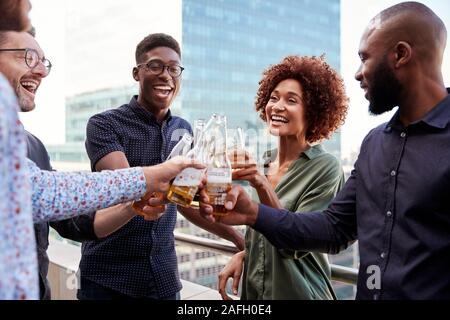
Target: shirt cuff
x,y
141,185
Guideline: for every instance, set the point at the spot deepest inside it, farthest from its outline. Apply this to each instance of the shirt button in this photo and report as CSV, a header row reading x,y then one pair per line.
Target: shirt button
x,y
403,134
389,213
393,173
383,255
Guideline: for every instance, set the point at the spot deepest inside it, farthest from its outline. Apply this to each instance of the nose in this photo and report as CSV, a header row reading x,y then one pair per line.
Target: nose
x,y
358,74
40,70
279,106
165,73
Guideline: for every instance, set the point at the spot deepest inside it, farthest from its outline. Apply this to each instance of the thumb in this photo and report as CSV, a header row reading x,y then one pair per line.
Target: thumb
x,y
235,285
231,198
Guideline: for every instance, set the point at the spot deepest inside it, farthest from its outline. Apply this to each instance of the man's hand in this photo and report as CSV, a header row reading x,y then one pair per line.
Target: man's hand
x,y
158,177
241,209
152,206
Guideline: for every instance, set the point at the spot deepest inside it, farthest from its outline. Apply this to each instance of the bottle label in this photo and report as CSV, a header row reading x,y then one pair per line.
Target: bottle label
x,y
188,177
219,175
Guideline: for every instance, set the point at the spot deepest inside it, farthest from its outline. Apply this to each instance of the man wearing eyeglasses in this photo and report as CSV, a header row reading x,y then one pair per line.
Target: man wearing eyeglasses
x,y
139,260
23,63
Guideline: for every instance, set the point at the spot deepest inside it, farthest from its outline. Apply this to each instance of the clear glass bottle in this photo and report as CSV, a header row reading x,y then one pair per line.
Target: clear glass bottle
x,y
185,186
182,148
218,165
199,126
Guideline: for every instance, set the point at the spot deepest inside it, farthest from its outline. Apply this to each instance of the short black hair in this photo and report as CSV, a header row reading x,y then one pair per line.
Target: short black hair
x,y
155,40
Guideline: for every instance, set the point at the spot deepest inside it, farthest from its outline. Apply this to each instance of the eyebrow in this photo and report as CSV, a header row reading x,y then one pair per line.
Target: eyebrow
x,y
160,60
289,93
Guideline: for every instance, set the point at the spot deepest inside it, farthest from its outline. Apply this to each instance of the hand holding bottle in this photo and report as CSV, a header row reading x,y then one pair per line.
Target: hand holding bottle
x,y
151,206
158,180
185,186
245,168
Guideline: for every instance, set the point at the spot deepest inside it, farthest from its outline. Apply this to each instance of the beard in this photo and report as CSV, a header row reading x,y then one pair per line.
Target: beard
x,y
26,103
385,89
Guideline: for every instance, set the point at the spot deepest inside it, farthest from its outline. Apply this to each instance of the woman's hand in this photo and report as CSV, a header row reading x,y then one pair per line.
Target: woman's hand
x,y
233,269
245,168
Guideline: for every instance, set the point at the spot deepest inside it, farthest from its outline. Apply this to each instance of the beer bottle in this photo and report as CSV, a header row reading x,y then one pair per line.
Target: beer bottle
x,y
218,178
185,185
181,149
199,126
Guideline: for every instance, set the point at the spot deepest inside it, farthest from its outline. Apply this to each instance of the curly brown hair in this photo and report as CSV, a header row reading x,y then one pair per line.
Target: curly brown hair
x,y
324,96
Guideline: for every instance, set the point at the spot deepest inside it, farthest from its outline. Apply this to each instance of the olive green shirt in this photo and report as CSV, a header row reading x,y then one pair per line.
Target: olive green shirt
x,y
310,184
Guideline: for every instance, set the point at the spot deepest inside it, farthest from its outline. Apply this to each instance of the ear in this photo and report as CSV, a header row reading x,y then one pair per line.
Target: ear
x,y
403,54
136,73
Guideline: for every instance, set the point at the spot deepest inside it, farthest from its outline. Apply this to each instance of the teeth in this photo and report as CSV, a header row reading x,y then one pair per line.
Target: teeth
x,y
279,118
29,84
163,88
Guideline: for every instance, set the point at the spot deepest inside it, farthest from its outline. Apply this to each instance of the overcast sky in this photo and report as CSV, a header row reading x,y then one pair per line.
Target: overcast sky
x,y
117,25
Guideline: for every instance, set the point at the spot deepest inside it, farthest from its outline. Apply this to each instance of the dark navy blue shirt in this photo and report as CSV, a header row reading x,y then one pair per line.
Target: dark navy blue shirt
x,y
78,228
138,260
396,203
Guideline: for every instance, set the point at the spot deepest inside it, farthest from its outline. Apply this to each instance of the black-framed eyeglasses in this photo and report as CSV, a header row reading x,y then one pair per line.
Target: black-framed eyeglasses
x,y
156,68
32,58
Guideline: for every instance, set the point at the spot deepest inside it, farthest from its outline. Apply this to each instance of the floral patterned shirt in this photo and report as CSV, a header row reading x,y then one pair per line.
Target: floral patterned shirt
x,y
29,194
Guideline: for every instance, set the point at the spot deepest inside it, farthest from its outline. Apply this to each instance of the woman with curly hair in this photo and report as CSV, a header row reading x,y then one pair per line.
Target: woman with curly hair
x,y
303,101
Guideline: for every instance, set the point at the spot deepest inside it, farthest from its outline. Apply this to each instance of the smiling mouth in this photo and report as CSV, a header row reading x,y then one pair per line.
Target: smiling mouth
x,y
30,86
163,90
278,119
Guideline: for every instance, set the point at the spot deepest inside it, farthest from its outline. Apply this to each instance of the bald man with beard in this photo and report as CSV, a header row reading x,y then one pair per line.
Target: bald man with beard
x,y
396,199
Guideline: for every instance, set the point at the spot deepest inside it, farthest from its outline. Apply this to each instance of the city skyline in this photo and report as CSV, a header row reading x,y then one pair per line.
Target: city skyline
x,y
102,70
220,41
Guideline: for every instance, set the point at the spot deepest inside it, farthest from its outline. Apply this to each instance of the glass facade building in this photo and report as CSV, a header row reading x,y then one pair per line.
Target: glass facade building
x,y
228,43
79,109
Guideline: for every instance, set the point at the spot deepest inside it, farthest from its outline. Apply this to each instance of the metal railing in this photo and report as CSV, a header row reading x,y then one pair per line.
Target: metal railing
x,y
338,273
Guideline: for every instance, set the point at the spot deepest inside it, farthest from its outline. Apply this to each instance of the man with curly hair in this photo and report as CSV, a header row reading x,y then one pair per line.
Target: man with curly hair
x,y
302,100
396,199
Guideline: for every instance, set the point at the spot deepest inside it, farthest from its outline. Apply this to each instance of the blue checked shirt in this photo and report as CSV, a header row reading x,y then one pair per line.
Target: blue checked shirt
x,y
138,260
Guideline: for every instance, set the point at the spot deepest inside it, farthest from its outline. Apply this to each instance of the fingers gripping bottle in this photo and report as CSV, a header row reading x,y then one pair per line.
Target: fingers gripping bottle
x,y
218,165
185,185
181,149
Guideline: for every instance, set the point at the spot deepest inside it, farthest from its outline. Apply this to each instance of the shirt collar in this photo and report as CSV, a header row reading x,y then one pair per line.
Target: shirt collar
x,y
438,117
144,113
311,153
314,151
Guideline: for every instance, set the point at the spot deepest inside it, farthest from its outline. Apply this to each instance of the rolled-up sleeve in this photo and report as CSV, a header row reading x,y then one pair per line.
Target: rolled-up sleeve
x,y
79,228
102,138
